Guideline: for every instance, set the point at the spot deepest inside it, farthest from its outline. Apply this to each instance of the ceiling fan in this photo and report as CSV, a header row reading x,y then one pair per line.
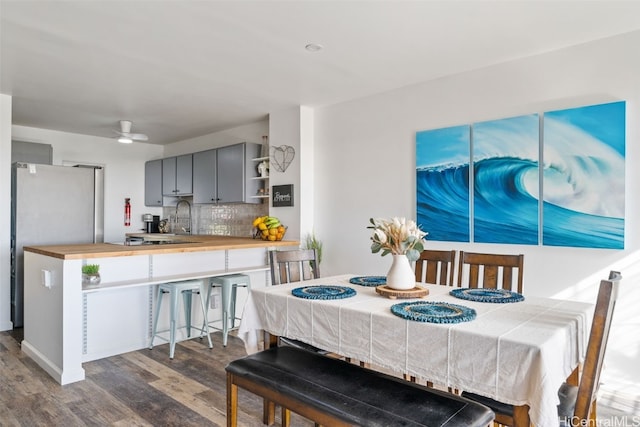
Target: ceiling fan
x,y
126,137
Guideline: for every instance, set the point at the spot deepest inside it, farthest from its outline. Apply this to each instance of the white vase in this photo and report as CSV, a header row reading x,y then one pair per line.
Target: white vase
x,y
401,276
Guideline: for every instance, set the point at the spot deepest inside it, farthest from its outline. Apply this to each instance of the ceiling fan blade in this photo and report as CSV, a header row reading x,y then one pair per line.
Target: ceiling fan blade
x,y
138,136
125,132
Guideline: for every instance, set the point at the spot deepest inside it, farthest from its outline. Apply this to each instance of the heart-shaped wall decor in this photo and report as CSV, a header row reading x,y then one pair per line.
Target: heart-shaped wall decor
x,y
282,156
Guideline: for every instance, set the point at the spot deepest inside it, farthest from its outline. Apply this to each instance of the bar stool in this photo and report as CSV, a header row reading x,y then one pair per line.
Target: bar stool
x,y
229,284
186,288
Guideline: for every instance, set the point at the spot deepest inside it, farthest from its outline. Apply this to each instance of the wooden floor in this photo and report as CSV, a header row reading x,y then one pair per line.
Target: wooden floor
x,y
142,388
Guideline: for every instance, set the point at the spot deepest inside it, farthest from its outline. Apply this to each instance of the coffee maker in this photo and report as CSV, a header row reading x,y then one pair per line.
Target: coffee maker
x,y
151,223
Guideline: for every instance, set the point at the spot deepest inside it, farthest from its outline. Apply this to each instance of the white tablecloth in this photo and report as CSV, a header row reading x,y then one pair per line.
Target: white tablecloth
x,y
517,353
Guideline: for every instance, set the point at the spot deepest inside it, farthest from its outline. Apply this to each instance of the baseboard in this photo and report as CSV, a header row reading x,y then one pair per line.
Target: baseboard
x,y
621,401
52,369
6,326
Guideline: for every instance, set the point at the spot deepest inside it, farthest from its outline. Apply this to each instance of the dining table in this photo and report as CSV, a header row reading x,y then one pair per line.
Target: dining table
x,y
516,352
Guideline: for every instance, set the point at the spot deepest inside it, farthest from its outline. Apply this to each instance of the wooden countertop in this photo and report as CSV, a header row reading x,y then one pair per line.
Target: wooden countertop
x,y
197,243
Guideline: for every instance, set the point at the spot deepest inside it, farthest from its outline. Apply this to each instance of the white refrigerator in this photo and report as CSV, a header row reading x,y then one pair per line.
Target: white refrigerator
x,y
51,205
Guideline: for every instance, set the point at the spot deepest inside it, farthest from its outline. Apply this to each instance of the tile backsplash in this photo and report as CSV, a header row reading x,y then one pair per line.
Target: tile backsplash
x,y
221,220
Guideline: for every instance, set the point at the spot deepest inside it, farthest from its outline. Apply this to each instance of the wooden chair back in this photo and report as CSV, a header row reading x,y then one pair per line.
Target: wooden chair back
x,y
600,327
293,266
494,271
436,267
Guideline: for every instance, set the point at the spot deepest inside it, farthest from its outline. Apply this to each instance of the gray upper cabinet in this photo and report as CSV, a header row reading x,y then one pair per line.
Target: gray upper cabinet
x,y
235,170
222,175
205,177
153,183
177,175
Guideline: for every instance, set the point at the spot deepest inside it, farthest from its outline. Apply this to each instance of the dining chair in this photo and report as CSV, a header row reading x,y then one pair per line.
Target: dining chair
x,y
293,265
435,266
494,271
577,403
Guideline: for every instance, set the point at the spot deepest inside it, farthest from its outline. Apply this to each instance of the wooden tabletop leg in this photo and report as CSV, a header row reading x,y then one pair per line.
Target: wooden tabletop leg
x,y
574,378
521,416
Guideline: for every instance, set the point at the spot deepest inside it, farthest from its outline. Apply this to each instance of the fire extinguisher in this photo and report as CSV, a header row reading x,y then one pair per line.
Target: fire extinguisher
x,y
127,212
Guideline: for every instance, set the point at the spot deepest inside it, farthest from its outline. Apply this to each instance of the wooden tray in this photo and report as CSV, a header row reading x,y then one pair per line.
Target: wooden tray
x,y
417,292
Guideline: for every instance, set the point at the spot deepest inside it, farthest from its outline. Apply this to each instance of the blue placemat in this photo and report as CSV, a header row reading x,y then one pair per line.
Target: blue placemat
x,y
487,295
433,312
323,292
369,280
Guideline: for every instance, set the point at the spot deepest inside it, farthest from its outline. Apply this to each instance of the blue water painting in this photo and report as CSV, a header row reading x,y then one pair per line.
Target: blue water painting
x,y
584,169
506,183
442,183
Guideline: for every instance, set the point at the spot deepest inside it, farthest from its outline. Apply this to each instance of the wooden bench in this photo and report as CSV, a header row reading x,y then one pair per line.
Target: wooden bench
x,y
333,392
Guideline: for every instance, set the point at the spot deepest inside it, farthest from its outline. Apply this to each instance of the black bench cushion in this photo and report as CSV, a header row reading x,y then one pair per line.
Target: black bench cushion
x,y
354,394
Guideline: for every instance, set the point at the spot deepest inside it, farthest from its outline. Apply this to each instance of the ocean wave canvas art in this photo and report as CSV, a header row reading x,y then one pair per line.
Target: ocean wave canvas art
x,y
442,174
576,188
505,186
584,169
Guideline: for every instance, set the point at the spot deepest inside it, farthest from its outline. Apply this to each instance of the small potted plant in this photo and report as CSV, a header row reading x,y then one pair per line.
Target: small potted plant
x,y
91,274
312,242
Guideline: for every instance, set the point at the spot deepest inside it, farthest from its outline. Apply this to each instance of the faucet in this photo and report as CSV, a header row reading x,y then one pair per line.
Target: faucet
x,y
188,229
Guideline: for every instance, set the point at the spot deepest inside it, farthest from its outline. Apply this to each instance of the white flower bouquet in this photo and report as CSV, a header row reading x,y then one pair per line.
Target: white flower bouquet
x,y
397,236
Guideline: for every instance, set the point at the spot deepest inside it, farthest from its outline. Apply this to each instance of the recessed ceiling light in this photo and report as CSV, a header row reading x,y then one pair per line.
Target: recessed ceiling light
x,y
125,140
313,47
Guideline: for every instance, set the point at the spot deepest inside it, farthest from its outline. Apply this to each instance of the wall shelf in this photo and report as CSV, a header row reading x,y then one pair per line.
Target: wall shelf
x,y
264,179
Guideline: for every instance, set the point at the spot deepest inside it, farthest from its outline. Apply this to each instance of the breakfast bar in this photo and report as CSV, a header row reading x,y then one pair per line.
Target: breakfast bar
x,y
67,323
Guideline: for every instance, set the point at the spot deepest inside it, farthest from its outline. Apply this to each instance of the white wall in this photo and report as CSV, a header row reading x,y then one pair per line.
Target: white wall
x,y
365,167
285,130
5,214
124,171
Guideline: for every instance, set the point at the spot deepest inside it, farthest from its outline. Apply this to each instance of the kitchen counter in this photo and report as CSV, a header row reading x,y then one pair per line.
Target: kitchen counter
x,y
196,243
68,323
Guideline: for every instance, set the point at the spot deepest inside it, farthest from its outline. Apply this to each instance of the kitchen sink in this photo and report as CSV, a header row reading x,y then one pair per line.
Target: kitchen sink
x,y
163,242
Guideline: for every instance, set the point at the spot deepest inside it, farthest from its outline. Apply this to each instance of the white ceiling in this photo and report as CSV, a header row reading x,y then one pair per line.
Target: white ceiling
x,y
181,69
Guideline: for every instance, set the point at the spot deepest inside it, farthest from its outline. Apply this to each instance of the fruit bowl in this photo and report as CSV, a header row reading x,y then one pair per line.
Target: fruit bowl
x,y
268,228
278,235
